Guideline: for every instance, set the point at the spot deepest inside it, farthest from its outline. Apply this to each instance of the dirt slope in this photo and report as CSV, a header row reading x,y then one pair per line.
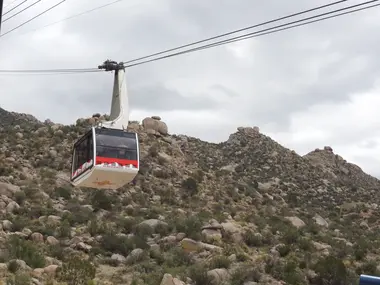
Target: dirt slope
x,y
245,211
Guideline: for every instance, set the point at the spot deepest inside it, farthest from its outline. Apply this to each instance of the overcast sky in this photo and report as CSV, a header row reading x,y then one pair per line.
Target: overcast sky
x,y
308,87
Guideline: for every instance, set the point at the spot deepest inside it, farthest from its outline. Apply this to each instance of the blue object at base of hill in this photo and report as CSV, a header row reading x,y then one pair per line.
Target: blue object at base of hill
x,y
369,280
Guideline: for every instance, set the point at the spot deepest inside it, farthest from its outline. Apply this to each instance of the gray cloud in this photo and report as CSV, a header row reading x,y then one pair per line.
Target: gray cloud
x,y
262,81
370,144
158,97
224,90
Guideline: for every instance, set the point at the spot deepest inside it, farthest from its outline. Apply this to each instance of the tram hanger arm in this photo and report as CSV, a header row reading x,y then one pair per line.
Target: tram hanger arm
x,y
119,115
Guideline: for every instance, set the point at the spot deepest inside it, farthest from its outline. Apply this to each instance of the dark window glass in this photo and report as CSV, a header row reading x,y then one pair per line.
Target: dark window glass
x,y
90,148
83,151
116,144
113,141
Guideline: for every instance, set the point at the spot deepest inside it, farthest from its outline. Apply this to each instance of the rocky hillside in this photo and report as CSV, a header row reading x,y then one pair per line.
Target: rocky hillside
x,y
245,211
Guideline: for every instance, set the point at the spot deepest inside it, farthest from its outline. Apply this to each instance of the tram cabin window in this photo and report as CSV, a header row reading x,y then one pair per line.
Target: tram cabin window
x,y
116,144
84,151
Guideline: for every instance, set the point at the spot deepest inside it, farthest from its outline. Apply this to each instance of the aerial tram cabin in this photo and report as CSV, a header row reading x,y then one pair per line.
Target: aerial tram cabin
x,y
107,156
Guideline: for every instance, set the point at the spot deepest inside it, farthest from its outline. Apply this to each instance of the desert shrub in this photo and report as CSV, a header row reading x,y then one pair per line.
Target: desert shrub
x,y
286,270
252,239
20,197
305,244
143,231
292,274
284,250
177,257
330,270
96,227
368,268
76,271
122,245
198,273
244,274
82,215
26,250
64,192
361,249
18,223
291,236
190,225
19,279
64,229
100,200
13,266
56,251
190,185
220,261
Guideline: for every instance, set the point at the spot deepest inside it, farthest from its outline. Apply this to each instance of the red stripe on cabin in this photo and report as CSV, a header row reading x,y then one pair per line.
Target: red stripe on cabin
x,y
101,159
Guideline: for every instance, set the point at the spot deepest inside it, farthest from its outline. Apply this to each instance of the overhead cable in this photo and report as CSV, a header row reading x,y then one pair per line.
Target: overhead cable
x,y
271,32
26,8
37,71
265,31
73,16
10,10
48,73
40,14
10,3
239,30
262,32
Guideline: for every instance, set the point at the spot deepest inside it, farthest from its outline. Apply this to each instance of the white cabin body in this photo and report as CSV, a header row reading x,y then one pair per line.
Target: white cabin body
x,y
105,158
